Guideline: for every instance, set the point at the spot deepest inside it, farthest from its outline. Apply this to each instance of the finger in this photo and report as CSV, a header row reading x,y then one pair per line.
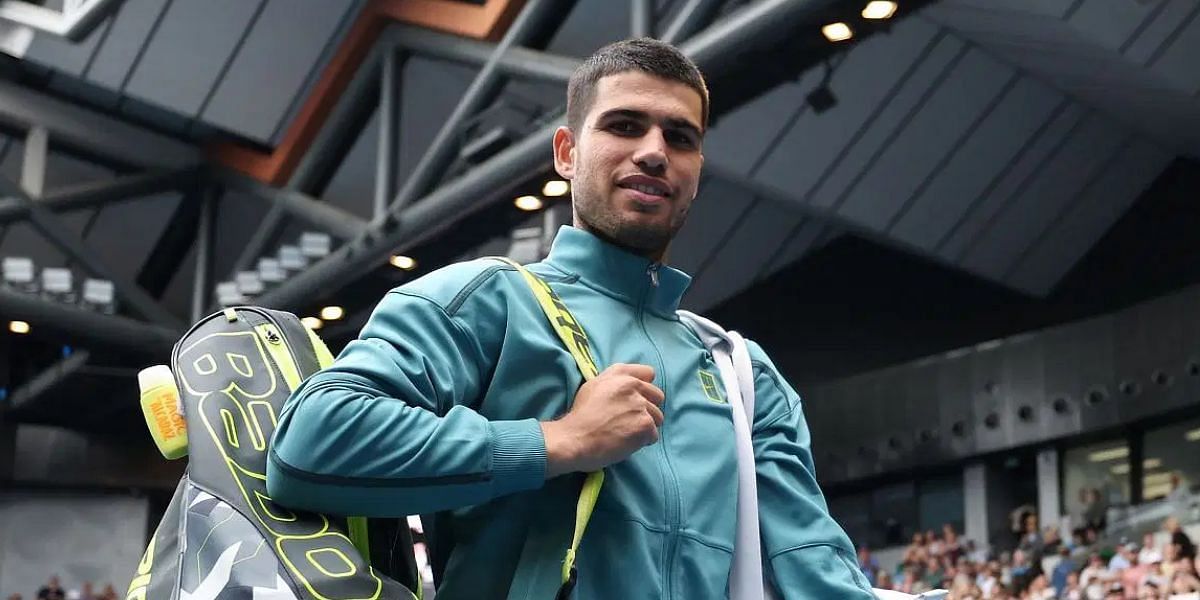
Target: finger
x,y
642,372
651,392
656,413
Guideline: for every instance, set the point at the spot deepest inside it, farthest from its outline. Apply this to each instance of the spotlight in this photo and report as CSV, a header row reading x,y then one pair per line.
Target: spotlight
x,y
332,313
228,295
837,32
271,272
58,285
879,9
555,188
18,326
249,284
312,323
403,262
528,203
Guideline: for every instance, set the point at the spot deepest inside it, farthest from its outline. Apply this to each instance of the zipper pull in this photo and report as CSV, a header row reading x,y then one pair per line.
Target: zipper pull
x,y
653,272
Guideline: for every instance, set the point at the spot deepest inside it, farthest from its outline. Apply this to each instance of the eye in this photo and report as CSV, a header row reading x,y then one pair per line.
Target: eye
x,y
625,127
679,139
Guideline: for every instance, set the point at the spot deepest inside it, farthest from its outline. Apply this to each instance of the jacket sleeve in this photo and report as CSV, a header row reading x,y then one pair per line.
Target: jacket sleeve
x,y
806,553
387,429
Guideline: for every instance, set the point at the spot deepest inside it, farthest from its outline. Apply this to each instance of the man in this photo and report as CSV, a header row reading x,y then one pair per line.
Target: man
x,y
52,590
459,399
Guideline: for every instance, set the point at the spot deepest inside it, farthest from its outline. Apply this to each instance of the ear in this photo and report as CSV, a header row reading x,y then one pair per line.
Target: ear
x,y
564,152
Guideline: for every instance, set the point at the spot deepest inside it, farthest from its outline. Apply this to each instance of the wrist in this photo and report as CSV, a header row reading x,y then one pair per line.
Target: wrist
x,y
560,452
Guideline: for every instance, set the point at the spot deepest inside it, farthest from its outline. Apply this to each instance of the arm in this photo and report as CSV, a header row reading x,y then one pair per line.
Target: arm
x,y
805,549
387,429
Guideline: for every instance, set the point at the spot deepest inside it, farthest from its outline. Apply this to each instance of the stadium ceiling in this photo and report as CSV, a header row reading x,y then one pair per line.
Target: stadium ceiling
x,y
177,143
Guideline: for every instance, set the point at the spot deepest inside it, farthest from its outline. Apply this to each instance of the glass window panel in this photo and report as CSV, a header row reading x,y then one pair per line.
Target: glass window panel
x,y
1174,449
1103,466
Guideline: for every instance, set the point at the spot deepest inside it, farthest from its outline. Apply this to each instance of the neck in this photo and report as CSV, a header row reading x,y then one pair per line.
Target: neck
x,y
657,256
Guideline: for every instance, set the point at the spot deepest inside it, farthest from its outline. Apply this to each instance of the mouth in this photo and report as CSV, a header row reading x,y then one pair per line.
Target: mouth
x,y
646,189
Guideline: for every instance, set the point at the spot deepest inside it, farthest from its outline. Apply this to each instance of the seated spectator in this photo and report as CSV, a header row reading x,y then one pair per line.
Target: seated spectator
x,y
1064,568
52,590
1149,550
1183,543
1183,579
1095,512
1072,591
1094,578
1115,591
883,580
1123,558
867,564
1153,581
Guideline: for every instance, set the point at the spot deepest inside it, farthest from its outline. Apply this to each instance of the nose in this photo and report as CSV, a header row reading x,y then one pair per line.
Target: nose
x,y
651,154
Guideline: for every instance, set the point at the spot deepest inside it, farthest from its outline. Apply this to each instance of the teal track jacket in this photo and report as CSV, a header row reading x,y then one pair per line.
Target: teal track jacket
x,y
435,409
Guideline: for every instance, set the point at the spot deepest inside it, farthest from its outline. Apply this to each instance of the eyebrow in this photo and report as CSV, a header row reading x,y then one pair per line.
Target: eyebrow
x,y
672,122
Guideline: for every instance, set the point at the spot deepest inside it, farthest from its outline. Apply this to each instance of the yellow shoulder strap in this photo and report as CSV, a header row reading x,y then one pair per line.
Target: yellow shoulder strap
x,y
573,337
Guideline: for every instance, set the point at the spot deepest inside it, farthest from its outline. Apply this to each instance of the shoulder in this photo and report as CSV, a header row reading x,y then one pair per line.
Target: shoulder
x,y
452,286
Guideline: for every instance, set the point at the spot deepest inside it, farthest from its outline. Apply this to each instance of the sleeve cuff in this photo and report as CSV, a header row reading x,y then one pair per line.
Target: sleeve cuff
x,y
518,456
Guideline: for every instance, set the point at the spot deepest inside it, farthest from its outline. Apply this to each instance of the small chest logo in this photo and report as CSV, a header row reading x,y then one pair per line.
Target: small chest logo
x,y
712,389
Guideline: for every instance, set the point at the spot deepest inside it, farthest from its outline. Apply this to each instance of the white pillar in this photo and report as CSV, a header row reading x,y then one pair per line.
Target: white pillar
x,y
1049,501
975,512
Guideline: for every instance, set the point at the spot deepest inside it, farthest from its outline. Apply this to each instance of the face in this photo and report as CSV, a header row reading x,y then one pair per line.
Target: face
x,y
634,164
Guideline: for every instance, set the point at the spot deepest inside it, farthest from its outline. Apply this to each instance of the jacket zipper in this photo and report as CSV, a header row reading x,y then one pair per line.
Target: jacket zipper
x,y
674,502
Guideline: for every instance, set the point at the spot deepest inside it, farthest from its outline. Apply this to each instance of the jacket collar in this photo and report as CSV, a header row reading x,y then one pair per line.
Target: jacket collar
x,y
618,272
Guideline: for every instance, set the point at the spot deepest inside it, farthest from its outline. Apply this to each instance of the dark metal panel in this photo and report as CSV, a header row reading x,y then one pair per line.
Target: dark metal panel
x,y
1177,63
742,137
1148,42
957,422
1023,168
134,20
936,129
62,54
273,64
1078,230
1111,23
189,51
1028,211
737,259
997,141
988,399
1023,389
866,81
711,217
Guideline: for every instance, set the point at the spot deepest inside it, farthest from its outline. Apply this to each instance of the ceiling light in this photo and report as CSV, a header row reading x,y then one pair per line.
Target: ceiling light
x,y
1120,469
837,32
312,323
1151,463
1192,436
18,326
332,313
555,188
879,9
1110,454
403,262
529,203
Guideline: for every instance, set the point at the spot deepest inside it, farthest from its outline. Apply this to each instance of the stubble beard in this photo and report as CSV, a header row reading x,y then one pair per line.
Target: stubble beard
x,y
605,222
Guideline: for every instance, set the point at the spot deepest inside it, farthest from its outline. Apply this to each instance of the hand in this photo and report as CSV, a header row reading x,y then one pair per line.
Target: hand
x,y
614,415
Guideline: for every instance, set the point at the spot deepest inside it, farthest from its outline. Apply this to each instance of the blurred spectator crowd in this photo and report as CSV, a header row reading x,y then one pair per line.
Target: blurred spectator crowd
x,y
53,590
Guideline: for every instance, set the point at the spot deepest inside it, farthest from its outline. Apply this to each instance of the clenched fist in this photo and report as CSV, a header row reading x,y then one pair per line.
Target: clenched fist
x,y
614,415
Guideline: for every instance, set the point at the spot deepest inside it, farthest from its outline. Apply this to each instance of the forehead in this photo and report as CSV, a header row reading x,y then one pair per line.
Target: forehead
x,y
634,90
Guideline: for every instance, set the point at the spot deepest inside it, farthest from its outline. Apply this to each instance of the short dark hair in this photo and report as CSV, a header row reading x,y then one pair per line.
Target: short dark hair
x,y
646,55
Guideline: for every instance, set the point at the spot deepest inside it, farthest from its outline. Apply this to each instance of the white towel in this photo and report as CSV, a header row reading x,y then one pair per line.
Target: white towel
x,y
746,580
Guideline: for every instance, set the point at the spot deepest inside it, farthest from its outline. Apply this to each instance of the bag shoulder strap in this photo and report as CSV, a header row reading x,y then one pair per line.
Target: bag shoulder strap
x,y
575,339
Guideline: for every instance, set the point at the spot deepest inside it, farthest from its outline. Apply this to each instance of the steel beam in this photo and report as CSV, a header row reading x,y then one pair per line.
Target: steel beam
x,y
516,62
641,18
343,127
90,132
487,84
323,215
96,193
83,327
61,236
33,167
72,22
387,156
173,243
754,25
206,237
46,380
692,17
